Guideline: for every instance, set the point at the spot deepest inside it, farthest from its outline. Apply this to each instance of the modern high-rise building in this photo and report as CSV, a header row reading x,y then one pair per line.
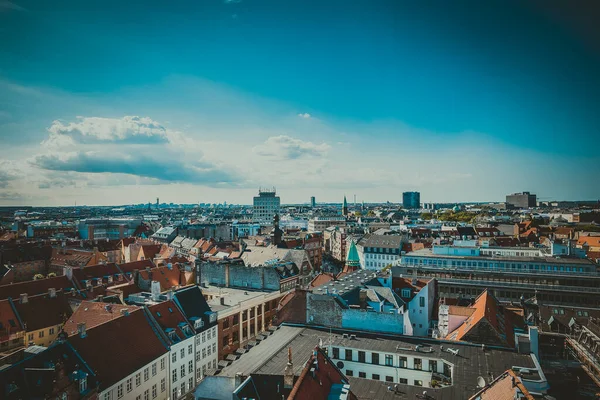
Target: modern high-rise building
x,y
313,201
266,205
521,200
411,200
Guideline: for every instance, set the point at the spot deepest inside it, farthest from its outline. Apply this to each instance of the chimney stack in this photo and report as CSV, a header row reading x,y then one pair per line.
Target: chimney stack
x,y
288,375
23,298
81,330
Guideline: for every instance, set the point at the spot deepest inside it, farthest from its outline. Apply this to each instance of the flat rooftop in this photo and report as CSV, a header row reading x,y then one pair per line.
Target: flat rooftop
x,y
270,358
232,296
549,260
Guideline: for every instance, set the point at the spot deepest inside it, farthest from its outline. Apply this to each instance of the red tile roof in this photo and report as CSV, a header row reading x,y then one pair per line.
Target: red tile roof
x,y
168,278
168,316
93,314
120,347
507,386
317,386
42,311
321,279
139,265
34,287
9,323
150,250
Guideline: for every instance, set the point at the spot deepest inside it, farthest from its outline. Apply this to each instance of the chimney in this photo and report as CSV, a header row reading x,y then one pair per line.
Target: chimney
x,y
227,275
288,374
239,379
52,293
23,298
362,297
88,284
222,301
81,330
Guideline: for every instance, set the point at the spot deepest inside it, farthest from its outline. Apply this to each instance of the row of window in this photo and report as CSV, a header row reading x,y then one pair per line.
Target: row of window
x,y
490,265
41,334
388,360
381,250
388,378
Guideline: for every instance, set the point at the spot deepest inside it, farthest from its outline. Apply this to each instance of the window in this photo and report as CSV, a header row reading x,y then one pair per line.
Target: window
x,y
389,379
182,371
182,353
348,354
174,357
225,341
147,394
154,391
174,377
418,383
336,352
162,364
361,356
30,337
107,396
214,364
138,379
129,385
404,381
375,358
203,353
146,374
51,331
191,366
191,382
421,301
190,349
375,377
214,347
120,391
403,362
418,363
175,395
182,387
163,385
433,365
208,350
389,360
349,372
362,375
154,369
41,334
138,397
226,323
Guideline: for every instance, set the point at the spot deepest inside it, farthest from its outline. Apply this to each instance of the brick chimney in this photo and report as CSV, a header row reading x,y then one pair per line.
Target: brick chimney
x,y
288,374
23,298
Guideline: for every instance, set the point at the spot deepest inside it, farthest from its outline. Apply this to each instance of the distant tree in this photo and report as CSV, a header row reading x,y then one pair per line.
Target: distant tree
x,y
371,213
38,276
51,275
426,215
357,214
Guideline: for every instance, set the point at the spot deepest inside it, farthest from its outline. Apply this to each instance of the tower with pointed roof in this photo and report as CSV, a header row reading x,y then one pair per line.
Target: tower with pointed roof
x,y
352,259
345,207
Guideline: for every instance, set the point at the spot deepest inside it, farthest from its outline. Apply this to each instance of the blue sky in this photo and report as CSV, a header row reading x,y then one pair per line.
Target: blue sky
x,y
462,100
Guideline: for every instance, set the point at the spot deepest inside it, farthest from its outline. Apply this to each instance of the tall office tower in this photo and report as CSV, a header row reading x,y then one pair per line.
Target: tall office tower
x,y
313,202
411,200
521,200
266,205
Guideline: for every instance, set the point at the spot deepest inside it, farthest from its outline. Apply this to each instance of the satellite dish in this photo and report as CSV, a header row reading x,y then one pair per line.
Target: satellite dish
x,y
480,382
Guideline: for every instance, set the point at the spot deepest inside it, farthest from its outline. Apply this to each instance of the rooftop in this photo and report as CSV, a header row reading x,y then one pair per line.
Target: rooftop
x,y
232,296
270,358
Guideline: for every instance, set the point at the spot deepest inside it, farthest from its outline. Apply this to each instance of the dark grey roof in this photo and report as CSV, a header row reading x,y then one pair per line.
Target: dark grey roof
x,y
472,361
193,304
382,241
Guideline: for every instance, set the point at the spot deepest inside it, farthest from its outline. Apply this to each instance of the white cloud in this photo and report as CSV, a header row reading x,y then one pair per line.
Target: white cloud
x,y
304,115
129,128
285,147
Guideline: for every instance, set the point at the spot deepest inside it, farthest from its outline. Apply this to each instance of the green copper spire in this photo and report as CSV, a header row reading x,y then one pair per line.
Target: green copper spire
x,y
352,259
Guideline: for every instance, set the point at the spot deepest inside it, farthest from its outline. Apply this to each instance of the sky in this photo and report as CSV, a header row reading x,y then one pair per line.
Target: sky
x,y
121,102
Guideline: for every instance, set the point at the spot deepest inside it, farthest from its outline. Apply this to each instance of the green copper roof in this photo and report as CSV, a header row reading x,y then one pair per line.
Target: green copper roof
x,y
352,259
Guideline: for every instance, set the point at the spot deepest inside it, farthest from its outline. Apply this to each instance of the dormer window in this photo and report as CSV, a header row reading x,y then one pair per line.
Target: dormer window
x,y
82,384
406,293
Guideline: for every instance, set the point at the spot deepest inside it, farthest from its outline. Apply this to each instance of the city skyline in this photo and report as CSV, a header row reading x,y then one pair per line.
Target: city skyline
x,y
404,98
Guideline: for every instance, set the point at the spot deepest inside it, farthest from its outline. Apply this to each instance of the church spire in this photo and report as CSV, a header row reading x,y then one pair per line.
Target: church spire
x,y
352,259
345,206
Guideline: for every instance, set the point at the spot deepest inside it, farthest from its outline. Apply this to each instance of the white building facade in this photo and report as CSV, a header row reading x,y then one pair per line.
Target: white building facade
x,y
149,382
